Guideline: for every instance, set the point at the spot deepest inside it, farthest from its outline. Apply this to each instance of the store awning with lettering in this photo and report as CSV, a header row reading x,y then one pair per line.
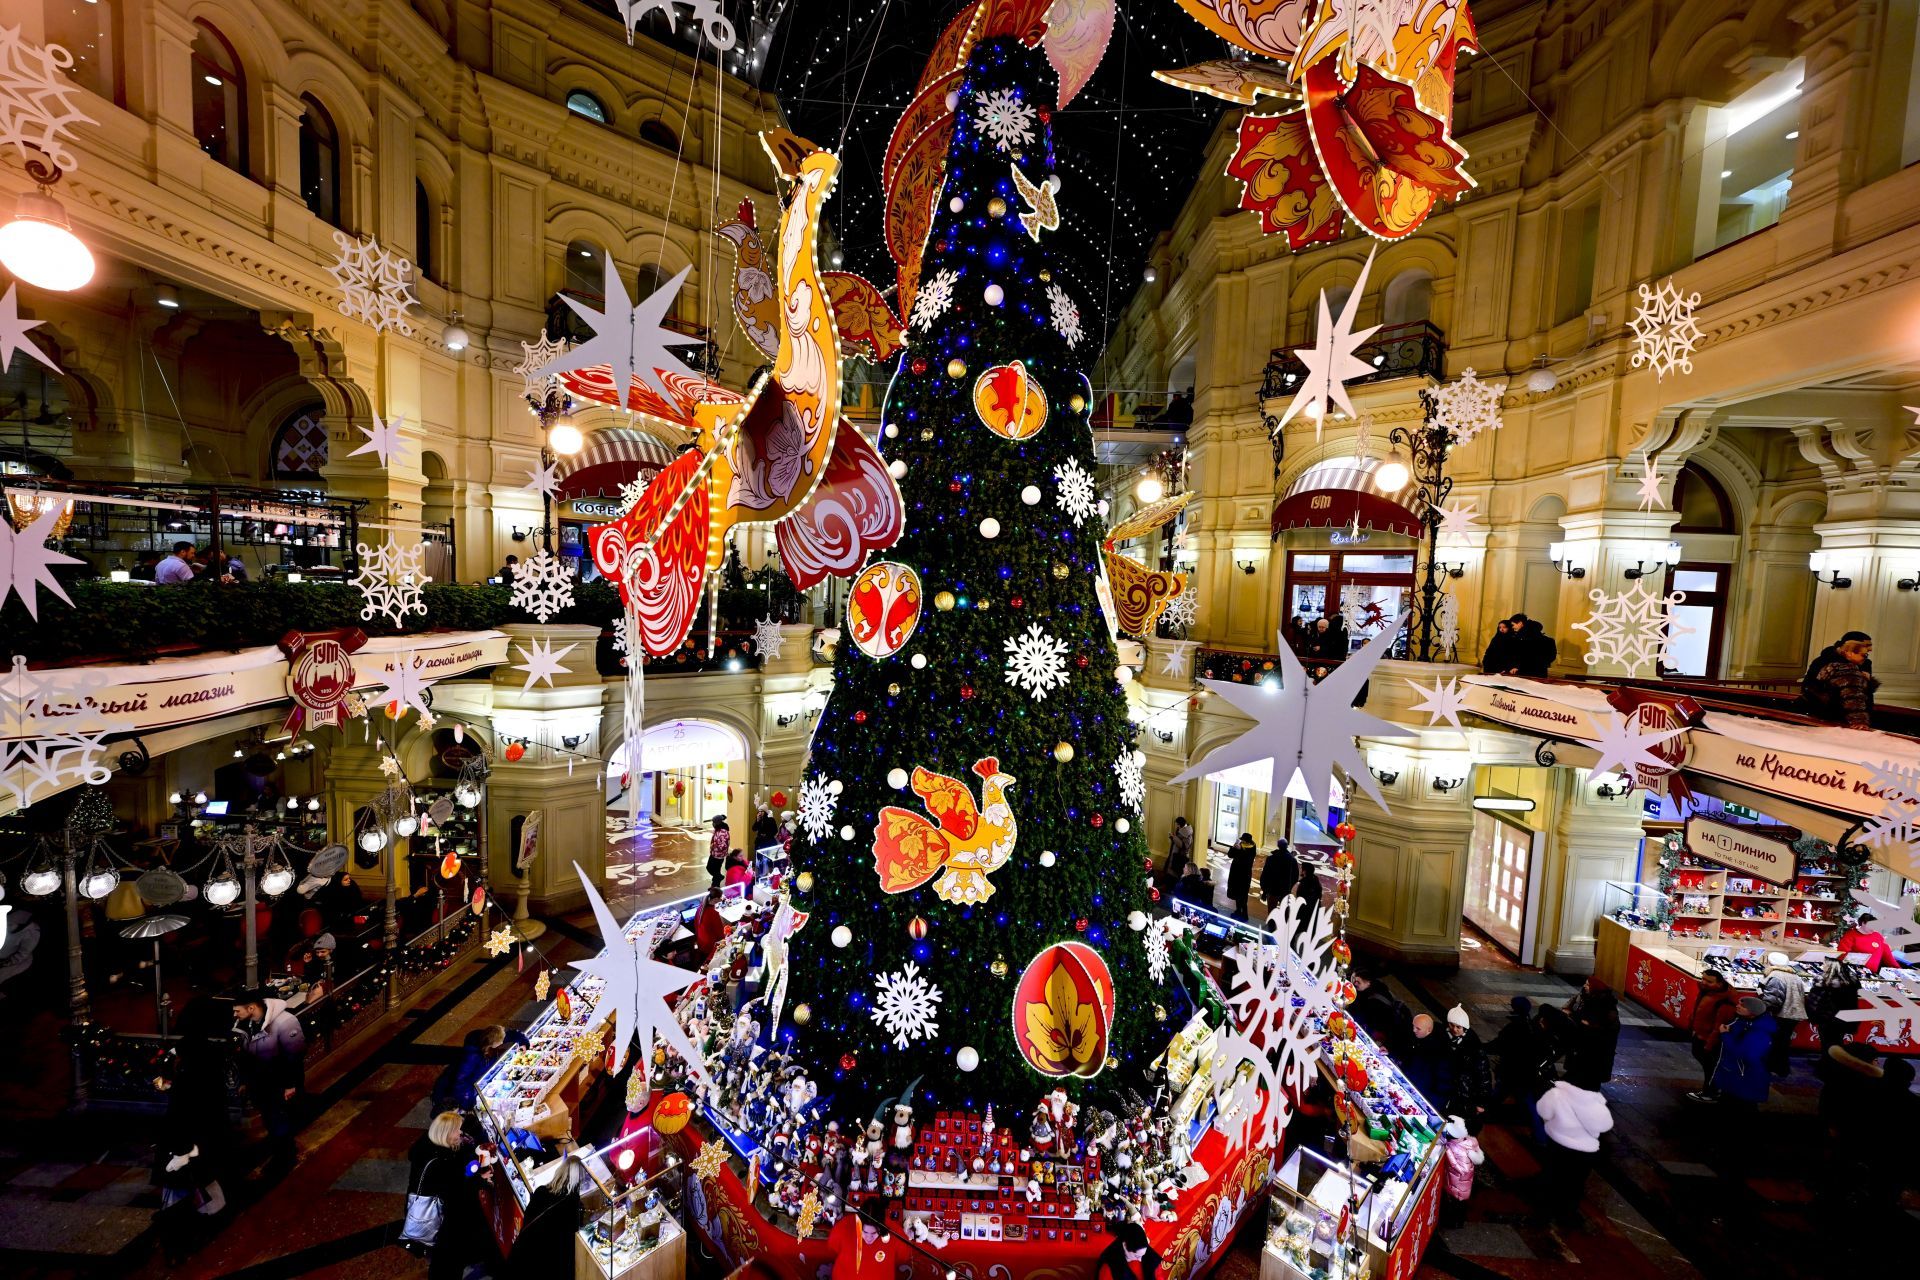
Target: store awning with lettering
x,y
613,457
1340,494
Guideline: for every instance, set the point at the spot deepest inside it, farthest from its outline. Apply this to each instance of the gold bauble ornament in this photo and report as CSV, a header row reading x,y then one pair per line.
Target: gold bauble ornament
x,y
1077,403
926,434
981,603
956,368
999,967
804,882
1060,570
1063,751
894,690
1159,1013
803,1014
1045,275
997,208
943,601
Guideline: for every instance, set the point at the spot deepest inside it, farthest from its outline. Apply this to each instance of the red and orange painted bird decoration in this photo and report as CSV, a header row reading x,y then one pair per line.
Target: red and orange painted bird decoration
x,y
967,844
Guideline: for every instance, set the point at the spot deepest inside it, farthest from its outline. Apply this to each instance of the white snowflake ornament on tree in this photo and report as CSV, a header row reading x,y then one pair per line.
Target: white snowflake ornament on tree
x,y
906,1005
375,284
933,299
390,580
1076,495
1183,610
1036,662
768,639
1155,943
1467,406
1002,116
1065,315
1130,769
38,99
1635,629
543,585
1664,334
26,562
52,733
818,799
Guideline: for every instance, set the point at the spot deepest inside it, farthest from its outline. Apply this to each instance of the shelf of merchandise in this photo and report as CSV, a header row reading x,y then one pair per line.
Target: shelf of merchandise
x,y
1714,903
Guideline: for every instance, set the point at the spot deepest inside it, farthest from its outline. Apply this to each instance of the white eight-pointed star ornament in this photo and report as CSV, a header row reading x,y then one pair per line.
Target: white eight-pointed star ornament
x,y
403,686
1331,360
1177,661
1625,750
1459,520
384,441
1650,499
13,332
1305,727
1444,701
636,990
542,663
543,479
627,338
26,561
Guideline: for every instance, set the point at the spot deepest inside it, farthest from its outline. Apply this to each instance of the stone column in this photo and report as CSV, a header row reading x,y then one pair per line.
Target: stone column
x,y
1410,864
1592,840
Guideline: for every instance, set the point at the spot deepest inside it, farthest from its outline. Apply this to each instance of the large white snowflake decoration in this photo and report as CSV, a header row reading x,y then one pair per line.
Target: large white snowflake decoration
x,y
1002,116
37,98
1155,942
1036,662
818,799
1894,920
51,732
390,580
1897,787
536,356
623,624
1897,1015
1184,609
1130,769
933,299
1468,406
1664,334
1282,991
631,491
1635,628
768,639
543,585
1065,315
906,1004
1076,496
376,284
1446,623
715,27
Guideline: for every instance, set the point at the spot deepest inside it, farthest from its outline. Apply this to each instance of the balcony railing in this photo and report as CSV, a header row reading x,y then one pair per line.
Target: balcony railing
x,y
1415,349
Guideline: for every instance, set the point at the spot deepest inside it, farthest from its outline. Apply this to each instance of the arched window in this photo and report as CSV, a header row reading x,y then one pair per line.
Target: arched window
x,y
219,99
319,161
659,134
1409,298
1703,505
423,229
586,269
300,448
582,103
90,31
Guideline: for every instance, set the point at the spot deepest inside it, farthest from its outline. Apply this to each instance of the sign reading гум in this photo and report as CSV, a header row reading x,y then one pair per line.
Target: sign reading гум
x,y
1738,849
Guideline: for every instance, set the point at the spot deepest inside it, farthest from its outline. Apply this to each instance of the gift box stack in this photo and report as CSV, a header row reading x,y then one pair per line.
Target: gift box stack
x,y
967,1180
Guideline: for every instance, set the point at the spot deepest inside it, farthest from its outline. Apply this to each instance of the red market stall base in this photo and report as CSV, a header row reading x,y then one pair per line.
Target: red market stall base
x,y
1671,991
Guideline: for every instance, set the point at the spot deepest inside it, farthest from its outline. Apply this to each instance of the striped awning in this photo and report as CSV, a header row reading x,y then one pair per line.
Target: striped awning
x,y
614,456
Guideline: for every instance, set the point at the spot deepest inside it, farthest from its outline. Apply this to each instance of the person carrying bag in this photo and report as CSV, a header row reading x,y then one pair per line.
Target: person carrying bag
x,y
424,1214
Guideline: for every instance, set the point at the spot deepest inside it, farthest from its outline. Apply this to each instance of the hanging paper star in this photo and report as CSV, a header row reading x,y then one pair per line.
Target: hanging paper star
x,y
1331,360
1045,213
1444,701
1625,750
627,338
390,766
1650,499
542,663
1306,727
26,561
636,990
500,941
544,479
1177,661
383,441
13,333
1458,520
403,687
542,984
711,1160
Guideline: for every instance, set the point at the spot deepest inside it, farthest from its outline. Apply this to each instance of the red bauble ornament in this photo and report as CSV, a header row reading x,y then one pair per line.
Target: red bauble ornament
x,y
859,717
1347,993
671,1113
917,928
1017,602
1148,862
1080,661
1342,859
1343,830
919,364
1098,820
1046,117
966,693
1154,894
1340,1023
953,486
848,1062
1342,951
514,751
1081,924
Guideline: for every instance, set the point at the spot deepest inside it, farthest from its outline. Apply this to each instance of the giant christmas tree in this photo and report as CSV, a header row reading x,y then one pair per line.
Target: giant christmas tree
x,y
972,794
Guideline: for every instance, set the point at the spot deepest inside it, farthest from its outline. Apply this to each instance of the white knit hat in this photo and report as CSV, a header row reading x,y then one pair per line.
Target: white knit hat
x,y
1457,1017
1778,959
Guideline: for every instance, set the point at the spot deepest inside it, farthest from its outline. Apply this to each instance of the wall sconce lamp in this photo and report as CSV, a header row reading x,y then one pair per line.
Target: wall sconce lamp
x,y
1910,584
1246,566
1385,765
1444,784
1386,777
572,741
1650,556
786,718
1452,568
1450,773
1823,562
1611,786
519,534
1165,735
1562,556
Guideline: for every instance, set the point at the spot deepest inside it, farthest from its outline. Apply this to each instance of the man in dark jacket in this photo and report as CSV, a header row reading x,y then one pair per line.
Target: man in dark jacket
x,y
1839,683
1534,650
1426,1064
1279,875
1381,1013
1196,887
273,1051
1469,1077
1240,873
1516,1051
1595,1012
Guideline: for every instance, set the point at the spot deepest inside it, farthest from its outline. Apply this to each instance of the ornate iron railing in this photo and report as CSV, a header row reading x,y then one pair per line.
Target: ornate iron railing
x,y
1410,350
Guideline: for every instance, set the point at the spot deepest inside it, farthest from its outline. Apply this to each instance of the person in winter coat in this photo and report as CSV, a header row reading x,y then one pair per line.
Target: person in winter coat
x,y
438,1168
1839,683
1469,1075
1308,890
1463,1157
273,1053
544,1248
1833,992
1573,1117
1279,874
1179,850
195,1135
1711,1009
1240,873
1785,992
1129,1257
458,1085
1516,1055
1595,1013
1426,1062
1740,1076
766,830
1534,650
1497,658
1195,887
719,845
1382,1014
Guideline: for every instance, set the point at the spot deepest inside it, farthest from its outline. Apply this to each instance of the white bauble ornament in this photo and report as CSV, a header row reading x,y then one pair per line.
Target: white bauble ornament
x,y
841,935
891,431
1123,674
897,468
966,1057
835,787
956,204
1136,920
846,832
918,662
989,528
1101,508
993,295
1046,858
1030,495
896,778
1122,826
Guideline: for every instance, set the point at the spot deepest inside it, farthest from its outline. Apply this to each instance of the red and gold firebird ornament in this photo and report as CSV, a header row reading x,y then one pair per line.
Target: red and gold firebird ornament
x,y
964,843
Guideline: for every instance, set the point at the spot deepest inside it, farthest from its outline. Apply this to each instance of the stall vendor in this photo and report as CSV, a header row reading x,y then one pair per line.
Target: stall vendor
x,y
862,1249
1870,942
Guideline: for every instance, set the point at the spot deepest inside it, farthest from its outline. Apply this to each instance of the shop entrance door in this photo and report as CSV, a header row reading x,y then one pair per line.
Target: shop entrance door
x,y
1503,871
1363,584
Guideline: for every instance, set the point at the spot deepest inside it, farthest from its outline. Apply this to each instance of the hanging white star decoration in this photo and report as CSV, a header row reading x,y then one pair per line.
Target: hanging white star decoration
x,y
38,98
1043,212
628,339
390,580
384,441
1459,520
1468,406
543,585
375,283
1635,628
542,663
1331,360
26,562
543,479
636,990
1650,499
1303,727
768,639
403,687
1177,660
1444,701
13,333
1625,750
1664,334
52,732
